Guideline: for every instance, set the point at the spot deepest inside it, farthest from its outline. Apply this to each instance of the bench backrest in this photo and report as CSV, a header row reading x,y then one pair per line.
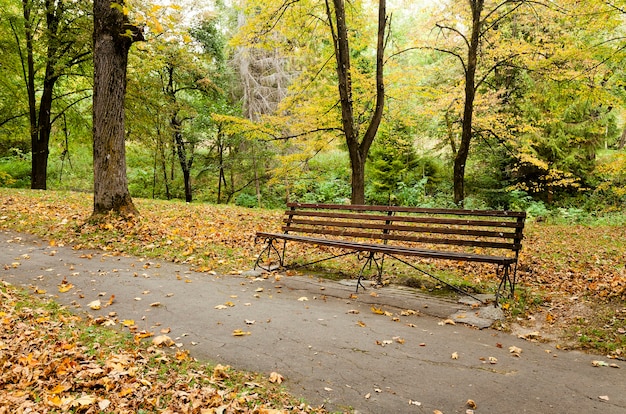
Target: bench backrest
x,y
489,229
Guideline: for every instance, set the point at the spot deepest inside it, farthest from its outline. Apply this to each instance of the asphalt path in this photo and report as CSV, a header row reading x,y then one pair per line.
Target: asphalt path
x,y
331,346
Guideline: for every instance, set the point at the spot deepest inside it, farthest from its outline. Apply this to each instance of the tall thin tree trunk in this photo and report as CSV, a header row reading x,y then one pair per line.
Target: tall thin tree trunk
x,y
357,148
622,140
468,109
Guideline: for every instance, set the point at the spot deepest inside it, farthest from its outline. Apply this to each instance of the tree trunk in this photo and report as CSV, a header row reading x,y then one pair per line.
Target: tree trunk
x,y
468,109
357,150
622,140
185,164
111,46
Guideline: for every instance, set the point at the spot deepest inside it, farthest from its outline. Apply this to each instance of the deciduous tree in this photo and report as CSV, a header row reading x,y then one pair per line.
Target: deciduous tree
x,y
49,35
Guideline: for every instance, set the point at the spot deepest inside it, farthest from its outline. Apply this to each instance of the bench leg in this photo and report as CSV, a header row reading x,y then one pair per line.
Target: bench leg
x,y
269,248
507,277
371,258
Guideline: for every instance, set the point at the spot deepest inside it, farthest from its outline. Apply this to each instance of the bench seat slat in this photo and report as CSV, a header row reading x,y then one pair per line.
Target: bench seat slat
x,y
383,248
415,239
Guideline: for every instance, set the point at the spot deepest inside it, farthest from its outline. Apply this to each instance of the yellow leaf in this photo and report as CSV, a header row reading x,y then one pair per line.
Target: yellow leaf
x,y
239,332
128,322
55,401
377,311
59,389
125,392
144,334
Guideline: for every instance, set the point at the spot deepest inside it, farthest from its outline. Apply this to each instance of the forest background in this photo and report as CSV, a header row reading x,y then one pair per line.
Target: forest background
x,y
236,102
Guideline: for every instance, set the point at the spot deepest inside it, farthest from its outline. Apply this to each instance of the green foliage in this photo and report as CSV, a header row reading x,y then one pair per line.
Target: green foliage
x,y
325,179
15,169
246,200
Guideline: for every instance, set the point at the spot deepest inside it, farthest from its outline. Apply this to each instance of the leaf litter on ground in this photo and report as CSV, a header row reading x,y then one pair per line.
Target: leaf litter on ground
x,y
55,361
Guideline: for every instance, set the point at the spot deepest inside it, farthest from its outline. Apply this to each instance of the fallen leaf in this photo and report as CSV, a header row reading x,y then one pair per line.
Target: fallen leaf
x,y
83,401
239,332
515,351
95,305
162,340
455,355
399,340
60,388
111,300
604,397
446,322
276,378
377,311
220,372
529,336
471,404
303,299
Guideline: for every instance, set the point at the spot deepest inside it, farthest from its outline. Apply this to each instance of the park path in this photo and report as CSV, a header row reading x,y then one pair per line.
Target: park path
x,y
330,346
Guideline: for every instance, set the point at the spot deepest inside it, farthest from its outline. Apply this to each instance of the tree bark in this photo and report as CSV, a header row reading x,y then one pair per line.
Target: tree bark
x,y
462,153
181,150
622,140
112,40
357,148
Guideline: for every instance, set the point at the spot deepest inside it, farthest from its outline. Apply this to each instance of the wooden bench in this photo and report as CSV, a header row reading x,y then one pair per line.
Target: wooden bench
x,y
486,236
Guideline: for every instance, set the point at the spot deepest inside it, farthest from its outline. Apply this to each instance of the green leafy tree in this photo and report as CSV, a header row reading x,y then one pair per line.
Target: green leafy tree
x,y
51,43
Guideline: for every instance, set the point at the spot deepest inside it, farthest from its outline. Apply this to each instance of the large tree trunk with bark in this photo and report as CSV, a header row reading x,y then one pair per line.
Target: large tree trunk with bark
x,y
112,40
462,153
